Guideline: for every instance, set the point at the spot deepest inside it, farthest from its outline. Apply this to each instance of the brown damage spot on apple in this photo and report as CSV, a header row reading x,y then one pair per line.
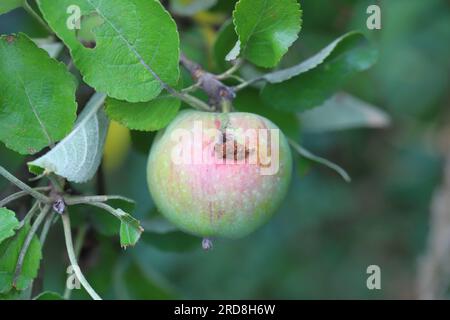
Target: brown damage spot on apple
x,y
229,148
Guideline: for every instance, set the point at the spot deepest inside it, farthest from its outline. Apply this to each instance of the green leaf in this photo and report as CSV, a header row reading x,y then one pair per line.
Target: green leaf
x,y
137,46
8,5
48,295
267,29
9,254
8,223
144,116
312,62
37,100
130,230
190,7
342,112
78,156
310,156
225,40
250,101
311,88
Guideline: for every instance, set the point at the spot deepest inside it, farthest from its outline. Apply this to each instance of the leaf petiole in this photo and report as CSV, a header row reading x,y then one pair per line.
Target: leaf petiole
x,y
78,245
308,155
230,72
30,214
19,195
90,199
247,83
37,195
73,258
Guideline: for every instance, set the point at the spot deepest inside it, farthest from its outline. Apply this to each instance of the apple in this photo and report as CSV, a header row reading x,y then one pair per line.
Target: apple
x,y
219,174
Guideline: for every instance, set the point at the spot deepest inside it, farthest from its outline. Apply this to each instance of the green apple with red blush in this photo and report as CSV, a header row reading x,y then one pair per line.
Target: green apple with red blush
x,y
219,174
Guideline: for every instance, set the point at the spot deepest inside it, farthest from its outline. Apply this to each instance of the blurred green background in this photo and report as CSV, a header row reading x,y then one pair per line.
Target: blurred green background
x,y
327,232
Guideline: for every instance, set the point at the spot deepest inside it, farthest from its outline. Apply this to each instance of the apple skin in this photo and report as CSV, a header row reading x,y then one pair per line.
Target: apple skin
x,y
210,199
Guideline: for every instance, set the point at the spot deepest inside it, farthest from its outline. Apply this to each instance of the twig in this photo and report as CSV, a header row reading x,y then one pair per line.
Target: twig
x,y
192,101
27,242
191,88
30,214
220,95
106,207
37,284
230,72
19,195
247,83
78,245
73,259
74,200
39,196
46,228
80,238
56,182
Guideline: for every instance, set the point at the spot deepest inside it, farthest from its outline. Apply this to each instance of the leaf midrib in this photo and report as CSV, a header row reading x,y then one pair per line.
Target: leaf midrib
x,y
252,32
129,45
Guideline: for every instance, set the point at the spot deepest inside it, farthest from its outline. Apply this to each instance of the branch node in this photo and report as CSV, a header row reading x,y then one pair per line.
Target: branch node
x,y
59,206
219,93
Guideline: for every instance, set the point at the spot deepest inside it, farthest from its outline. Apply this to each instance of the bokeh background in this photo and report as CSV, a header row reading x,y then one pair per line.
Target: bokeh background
x,y
327,232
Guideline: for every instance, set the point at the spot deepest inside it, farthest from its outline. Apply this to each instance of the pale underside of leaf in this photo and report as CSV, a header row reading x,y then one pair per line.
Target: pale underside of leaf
x,y
312,88
78,156
234,53
308,64
342,112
